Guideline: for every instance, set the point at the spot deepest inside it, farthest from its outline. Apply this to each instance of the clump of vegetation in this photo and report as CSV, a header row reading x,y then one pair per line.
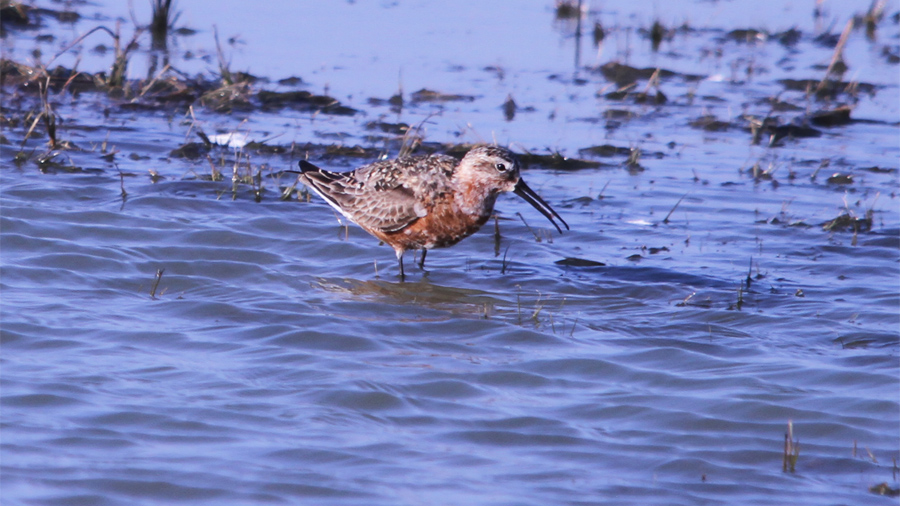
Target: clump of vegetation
x,y
568,9
164,18
658,32
871,18
599,33
849,221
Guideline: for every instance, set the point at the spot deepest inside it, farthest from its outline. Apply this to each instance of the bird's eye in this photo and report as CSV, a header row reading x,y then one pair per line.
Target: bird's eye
x,y
501,167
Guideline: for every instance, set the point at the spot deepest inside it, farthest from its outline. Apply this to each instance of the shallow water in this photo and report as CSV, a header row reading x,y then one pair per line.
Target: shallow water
x,y
282,361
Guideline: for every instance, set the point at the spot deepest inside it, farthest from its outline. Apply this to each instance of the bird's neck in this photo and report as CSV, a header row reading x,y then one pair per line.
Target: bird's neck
x,y
475,198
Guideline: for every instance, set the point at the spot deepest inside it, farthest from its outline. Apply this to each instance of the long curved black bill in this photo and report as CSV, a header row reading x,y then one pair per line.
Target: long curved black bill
x,y
538,203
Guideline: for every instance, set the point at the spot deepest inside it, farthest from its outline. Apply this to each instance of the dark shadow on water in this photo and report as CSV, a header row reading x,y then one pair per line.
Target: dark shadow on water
x,y
659,275
416,291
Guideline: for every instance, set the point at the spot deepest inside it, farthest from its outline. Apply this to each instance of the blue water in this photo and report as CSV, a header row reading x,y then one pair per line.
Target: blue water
x,y
281,360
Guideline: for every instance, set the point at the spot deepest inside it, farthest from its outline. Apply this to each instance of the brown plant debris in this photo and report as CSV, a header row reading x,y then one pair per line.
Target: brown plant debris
x,y
426,95
849,222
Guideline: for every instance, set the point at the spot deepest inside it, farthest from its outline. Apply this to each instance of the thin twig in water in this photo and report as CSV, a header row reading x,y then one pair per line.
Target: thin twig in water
x,y
159,274
666,220
497,235
224,71
837,55
791,450
653,81
749,272
536,237
46,114
76,41
505,264
214,173
122,183
603,190
518,305
149,85
537,308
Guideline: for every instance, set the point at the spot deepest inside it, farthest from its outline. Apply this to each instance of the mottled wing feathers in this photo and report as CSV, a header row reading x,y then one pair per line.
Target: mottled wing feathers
x,y
385,196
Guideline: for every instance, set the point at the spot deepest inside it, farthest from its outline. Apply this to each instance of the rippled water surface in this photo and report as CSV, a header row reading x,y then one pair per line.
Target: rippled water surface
x,y
657,353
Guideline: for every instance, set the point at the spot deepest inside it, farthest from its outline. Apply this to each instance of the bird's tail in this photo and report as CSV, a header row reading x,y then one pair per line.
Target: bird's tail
x,y
307,167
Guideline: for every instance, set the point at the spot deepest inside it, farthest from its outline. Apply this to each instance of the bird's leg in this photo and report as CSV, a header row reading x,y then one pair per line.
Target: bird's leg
x,y
400,258
422,260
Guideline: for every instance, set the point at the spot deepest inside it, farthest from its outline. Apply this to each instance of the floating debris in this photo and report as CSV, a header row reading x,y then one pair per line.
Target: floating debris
x,y
879,170
263,148
797,130
568,9
606,151
389,128
352,152
710,123
657,34
838,178
227,98
848,221
290,81
191,151
835,117
395,102
289,98
780,105
827,88
624,75
599,33
788,38
509,108
17,14
885,489
617,114
638,97
497,71
747,36
305,101
778,133
425,95
579,262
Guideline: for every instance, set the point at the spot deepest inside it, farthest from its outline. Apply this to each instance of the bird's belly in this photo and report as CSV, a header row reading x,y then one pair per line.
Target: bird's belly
x,y
439,230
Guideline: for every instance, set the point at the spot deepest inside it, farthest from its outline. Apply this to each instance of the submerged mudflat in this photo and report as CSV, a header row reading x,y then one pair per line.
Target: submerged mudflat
x,y
182,322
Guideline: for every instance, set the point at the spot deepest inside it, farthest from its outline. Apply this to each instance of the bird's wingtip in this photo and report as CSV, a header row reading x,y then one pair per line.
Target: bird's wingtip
x,y
307,167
